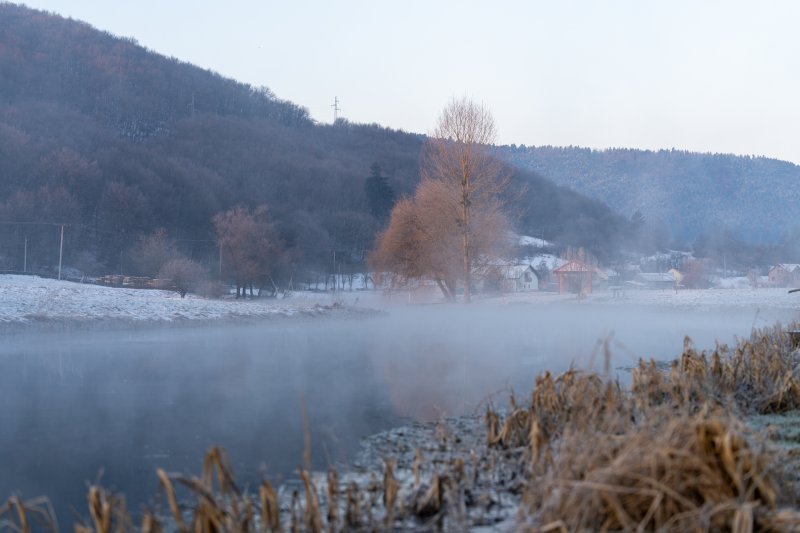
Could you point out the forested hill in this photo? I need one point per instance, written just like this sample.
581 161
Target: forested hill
691 193
118 141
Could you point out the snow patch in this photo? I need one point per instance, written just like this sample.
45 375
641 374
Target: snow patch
30 300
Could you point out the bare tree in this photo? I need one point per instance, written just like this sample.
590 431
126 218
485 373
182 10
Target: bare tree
250 246
153 251
425 237
457 157
418 243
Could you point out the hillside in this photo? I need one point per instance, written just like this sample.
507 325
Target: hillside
755 197
118 141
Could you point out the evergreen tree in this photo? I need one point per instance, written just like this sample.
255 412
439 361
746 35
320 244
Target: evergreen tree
380 195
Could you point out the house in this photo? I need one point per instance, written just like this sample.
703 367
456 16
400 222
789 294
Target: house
603 278
519 278
574 276
654 280
784 275
508 276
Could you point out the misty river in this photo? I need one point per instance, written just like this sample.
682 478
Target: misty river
118 403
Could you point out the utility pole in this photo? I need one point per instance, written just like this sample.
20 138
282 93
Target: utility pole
336 109
60 251
25 257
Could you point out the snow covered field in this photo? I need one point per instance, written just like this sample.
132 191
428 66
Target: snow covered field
32 300
698 299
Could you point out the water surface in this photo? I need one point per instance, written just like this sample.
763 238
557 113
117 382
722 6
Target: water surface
120 403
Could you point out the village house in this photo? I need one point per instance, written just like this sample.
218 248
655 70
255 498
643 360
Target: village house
784 275
604 278
575 276
654 280
509 276
519 278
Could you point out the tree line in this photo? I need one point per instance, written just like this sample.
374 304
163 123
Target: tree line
119 142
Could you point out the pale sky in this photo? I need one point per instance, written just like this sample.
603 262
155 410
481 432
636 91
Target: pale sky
710 76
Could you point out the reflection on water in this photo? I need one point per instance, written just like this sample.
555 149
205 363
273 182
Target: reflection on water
125 402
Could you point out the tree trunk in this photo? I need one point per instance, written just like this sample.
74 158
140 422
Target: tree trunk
446 290
465 229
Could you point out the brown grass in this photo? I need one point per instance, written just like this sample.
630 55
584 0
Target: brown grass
669 473
16 515
668 455
759 375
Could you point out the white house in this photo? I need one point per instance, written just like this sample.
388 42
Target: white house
519 278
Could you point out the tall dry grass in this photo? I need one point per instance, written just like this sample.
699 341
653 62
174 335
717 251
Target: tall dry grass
670 454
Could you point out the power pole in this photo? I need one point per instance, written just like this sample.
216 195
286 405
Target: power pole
60 251
336 109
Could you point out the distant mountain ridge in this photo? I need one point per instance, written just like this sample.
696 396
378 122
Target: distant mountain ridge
118 141
692 193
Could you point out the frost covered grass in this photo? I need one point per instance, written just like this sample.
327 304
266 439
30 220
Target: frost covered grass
26 300
671 453
29 300
684 298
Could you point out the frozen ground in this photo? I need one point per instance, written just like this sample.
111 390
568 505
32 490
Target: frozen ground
699 299
26 300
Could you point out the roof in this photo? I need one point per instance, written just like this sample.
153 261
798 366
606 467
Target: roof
527 240
516 271
574 266
788 267
656 277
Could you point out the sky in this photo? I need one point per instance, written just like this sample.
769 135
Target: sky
708 76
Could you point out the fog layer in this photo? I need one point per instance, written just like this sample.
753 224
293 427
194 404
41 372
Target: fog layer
125 402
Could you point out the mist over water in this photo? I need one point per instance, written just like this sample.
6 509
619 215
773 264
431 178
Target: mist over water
124 402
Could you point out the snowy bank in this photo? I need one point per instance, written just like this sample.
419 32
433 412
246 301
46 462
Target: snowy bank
29 300
747 298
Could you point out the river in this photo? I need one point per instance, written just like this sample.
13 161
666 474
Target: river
115 404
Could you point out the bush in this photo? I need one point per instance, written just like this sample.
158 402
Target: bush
182 275
211 289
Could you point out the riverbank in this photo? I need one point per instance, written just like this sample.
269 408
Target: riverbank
33 302
29 301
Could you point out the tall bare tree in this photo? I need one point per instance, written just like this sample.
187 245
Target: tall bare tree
457 156
455 223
